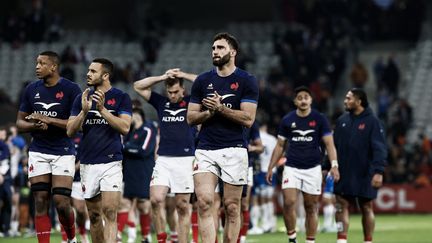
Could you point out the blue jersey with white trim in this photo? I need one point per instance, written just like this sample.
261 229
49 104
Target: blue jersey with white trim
55 102
100 142
219 132
176 136
303 135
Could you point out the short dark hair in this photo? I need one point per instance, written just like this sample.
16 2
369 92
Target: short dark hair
140 112
361 95
301 89
107 65
232 41
53 56
169 82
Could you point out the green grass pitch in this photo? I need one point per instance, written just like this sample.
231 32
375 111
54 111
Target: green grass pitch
389 229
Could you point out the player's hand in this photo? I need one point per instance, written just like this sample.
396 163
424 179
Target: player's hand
377 180
38 117
173 73
40 126
99 98
213 102
269 177
86 101
335 173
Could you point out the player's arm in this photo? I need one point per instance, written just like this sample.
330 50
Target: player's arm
176 72
195 116
120 123
61 123
75 123
332 155
245 116
143 86
276 155
256 146
24 125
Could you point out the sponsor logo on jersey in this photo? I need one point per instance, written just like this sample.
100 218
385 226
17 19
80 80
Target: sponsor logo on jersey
361 126
210 86
303 136
37 96
173 115
46 106
97 121
293 125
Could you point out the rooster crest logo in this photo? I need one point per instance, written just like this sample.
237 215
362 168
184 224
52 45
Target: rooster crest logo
59 95
234 86
111 102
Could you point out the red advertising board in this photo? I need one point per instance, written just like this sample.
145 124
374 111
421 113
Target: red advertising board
400 198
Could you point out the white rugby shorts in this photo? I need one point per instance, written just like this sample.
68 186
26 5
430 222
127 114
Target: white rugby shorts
41 164
229 164
305 180
175 173
97 178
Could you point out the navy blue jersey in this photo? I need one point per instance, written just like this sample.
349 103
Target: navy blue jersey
4 160
56 102
218 132
252 134
100 142
176 136
303 135
139 160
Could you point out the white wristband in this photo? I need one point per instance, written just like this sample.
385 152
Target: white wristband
334 163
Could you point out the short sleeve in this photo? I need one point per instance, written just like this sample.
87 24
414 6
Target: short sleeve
25 105
283 129
251 91
125 106
196 91
76 107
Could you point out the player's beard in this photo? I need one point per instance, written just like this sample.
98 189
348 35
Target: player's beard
222 60
95 83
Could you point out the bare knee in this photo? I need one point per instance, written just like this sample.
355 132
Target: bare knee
41 202
232 208
182 207
110 213
95 217
156 201
205 202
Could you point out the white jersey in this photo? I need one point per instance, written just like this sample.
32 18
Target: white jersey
269 141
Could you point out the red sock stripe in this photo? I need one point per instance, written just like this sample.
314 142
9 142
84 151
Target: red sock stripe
310 238
43 228
162 237
194 224
341 236
130 224
368 238
145 222
122 219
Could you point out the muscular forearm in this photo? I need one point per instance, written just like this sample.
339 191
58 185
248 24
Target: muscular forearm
57 122
198 117
238 116
25 126
276 155
115 122
75 124
148 82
